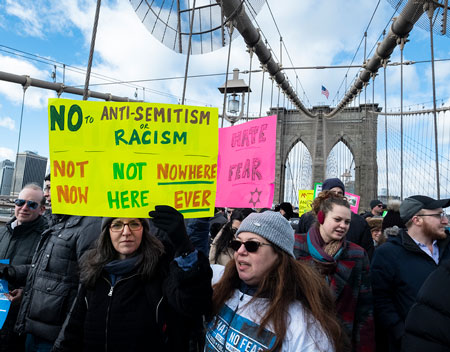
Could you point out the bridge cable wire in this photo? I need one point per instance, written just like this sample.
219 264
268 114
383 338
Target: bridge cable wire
91 51
25 87
287 52
430 12
376 42
401 27
250 50
359 46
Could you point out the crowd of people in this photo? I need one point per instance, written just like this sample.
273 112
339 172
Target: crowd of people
242 280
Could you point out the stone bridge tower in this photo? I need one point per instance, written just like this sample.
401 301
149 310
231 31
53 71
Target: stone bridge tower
356 127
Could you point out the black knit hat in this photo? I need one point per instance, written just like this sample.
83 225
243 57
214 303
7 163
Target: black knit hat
374 203
330 183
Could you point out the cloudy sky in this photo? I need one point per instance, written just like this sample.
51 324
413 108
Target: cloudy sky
314 32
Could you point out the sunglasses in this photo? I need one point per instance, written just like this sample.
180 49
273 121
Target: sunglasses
132 225
30 203
250 246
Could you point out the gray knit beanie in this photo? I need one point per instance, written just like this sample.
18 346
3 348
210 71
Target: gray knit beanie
273 227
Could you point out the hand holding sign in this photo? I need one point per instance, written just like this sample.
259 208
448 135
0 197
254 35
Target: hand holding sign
171 221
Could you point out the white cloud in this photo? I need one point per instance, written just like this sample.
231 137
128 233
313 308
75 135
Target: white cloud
38 18
34 97
6 153
32 25
7 122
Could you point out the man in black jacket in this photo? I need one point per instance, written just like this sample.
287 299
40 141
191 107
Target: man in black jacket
428 322
18 241
51 281
404 262
359 231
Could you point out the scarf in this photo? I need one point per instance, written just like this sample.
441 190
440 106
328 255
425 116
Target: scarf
117 268
325 255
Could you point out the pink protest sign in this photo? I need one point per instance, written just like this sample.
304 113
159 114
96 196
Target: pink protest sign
353 200
246 164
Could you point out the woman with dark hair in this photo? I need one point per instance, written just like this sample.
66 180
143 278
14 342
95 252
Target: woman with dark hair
343 264
220 253
265 300
132 296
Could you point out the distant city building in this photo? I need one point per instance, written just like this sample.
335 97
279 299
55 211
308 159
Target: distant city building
30 167
6 177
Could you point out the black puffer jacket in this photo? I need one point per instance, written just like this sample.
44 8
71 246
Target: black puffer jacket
19 244
427 326
51 281
139 315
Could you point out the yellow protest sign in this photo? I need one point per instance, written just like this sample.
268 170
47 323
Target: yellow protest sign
122 159
305 199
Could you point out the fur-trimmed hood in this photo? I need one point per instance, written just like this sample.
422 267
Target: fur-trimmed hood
394 205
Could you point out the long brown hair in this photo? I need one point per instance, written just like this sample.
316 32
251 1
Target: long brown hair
286 282
94 260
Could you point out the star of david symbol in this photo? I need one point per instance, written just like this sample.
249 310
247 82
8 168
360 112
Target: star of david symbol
252 197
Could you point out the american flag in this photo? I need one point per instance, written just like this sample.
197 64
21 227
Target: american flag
325 92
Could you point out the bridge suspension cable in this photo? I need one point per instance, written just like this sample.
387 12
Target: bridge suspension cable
400 28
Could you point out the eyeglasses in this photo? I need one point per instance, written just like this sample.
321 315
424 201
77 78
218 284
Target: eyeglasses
233 230
380 205
30 203
442 215
250 246
132 225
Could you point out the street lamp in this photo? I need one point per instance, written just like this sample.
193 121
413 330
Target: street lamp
235 94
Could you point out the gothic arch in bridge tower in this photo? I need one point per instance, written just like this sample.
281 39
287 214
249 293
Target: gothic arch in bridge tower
356 127
347 140
340 162
292 146
297 164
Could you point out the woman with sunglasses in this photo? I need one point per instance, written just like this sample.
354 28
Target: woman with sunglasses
133 297
344 266
220 252
265 300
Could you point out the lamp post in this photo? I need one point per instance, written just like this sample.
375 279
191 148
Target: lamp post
234 90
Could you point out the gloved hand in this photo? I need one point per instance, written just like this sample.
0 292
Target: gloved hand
171 221
7 272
